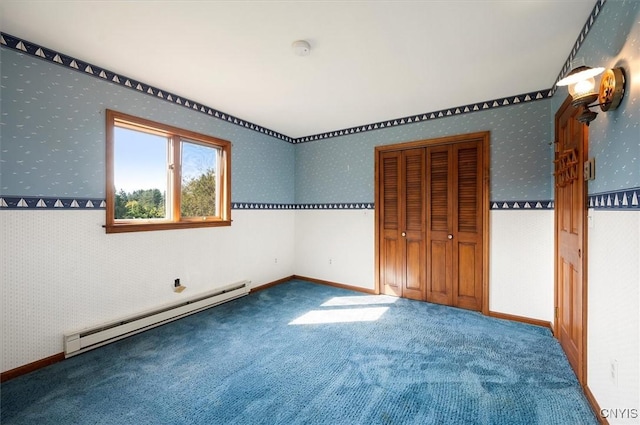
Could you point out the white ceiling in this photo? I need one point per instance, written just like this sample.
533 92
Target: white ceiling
370 60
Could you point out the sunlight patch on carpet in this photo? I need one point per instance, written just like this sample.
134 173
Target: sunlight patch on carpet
348 315
360 300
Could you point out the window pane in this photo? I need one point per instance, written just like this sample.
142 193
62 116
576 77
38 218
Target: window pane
199 175
140 174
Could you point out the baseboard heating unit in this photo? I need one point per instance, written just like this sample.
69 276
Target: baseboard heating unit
89 338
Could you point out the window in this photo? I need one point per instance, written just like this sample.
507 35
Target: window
161 177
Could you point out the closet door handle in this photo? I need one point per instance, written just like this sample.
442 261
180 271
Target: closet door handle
450 236
404 234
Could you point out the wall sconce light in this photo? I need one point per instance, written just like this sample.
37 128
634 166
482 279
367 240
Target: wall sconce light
582 84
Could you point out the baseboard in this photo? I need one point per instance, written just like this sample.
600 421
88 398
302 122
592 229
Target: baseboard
39 364
522 319
336 285
271 284
594 405
23 370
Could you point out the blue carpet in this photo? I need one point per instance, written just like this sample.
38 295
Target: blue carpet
301 353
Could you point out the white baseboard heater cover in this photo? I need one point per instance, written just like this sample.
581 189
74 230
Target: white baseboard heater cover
89 338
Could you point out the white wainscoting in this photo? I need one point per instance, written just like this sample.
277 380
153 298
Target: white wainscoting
521 258
336 246
613 327
521 280
61 272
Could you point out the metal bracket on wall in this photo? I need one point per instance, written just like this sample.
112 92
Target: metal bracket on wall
590 169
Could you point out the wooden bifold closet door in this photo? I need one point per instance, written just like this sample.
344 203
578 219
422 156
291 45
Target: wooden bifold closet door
403 223
431 221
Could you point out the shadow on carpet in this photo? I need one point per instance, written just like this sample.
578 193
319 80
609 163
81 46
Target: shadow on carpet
302 353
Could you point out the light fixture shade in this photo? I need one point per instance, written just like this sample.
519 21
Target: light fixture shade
582 87
578 74
581 83
583 92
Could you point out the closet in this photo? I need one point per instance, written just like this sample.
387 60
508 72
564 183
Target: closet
432 220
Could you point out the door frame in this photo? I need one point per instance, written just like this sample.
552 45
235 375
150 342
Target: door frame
582 373
484 138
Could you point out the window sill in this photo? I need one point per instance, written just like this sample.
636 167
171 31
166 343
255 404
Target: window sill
146 227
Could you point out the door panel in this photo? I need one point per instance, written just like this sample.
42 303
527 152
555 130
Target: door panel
439 225
438 166
413 213
391 252
390 258
454 225
466 270
467 234
576 286
469 276
468 188
402 268
566 197
415 277
439 266
390 190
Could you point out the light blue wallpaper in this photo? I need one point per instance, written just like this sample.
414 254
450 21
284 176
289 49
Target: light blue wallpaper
53 135
341 169
614 137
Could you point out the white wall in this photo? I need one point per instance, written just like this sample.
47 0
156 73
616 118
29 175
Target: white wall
336 246
521 256
61 272
521 263
613 326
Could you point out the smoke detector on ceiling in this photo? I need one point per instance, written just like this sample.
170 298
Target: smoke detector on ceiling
301 48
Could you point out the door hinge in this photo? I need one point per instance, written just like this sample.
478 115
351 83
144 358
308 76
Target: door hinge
556 312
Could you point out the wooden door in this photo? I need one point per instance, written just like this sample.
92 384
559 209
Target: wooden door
391 253
439 225
570 230
413 218
467 220
455 225
402 250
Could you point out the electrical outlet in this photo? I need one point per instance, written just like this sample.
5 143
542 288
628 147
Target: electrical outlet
275 261
613 371
176 283
330 261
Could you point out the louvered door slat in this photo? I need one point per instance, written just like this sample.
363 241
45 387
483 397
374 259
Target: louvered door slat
414 196
439 193
390 166
468 189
